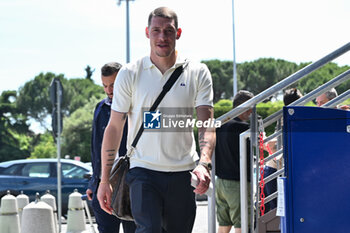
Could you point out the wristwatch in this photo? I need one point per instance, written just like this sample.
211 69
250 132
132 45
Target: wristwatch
206 165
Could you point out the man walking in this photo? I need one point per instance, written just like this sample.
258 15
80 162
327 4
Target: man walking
162 199
106 223
227 193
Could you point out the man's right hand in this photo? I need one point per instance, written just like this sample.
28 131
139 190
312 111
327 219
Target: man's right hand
104 194
89 194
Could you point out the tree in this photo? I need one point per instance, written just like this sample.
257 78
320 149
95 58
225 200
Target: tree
321 76
14 132
89 72
46 148
261 74
34 100
255 76
77 131
221 72
79 92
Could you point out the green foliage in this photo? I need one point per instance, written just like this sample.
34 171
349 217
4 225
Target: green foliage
261 74
255 76
80 91
14 132
222 73
77 131
80 96
347 102
263 109
266 109
46 148
220 110
223 103
321 76
221 107
34 100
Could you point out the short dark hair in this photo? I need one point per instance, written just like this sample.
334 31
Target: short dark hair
163 12
241 97
110 68
291 95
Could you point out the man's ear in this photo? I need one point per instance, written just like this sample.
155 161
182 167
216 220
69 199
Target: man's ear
178 33
147 32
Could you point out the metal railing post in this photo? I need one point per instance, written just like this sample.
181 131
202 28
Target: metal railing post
243 180
211 201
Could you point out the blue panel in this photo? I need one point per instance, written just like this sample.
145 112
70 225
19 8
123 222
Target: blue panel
317 152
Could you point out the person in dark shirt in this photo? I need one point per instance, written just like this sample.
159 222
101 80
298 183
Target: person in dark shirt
227 193
106 223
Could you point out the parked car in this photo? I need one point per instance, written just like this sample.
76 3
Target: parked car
38 175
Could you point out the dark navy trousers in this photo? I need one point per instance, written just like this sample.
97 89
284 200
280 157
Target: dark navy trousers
161 202
107 223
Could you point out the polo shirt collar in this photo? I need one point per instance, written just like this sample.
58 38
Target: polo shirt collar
147 63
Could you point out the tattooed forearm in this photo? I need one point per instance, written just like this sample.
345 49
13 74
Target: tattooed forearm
203 142
111 153
201 136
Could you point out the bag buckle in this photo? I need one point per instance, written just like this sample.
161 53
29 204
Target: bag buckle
130 151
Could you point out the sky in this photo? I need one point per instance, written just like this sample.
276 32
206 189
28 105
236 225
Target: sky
64 36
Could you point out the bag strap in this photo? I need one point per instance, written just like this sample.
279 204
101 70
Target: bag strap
167 86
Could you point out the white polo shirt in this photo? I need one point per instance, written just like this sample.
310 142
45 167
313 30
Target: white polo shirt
137 86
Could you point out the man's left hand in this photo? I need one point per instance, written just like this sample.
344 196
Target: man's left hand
204 179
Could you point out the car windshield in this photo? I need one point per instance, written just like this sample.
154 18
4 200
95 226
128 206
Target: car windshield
73 172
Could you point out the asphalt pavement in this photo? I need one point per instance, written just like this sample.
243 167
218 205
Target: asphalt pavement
200 224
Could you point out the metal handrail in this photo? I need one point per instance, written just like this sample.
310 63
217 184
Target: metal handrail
337 100
272 136
274 175
274 155
269 198
310 96
283 84
274 89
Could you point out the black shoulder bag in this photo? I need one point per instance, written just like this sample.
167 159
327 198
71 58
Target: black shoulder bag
120 196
